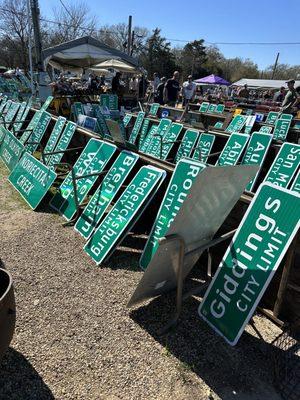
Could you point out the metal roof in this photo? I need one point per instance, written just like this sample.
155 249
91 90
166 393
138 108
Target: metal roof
263 83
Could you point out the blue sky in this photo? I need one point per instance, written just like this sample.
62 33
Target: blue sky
213 21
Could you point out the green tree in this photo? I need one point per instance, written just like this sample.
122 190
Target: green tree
193 58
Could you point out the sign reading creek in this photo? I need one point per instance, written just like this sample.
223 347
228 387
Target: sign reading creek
124 213
32 179
181 182
257 248
11 149
105 193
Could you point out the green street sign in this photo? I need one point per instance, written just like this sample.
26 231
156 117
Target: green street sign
169 140
105 193
21 115
204 147
220 108
256 250
188 143
212 108
10 149
137 126
32 124
124 213
204 107
148 139
84 185
265 129
144 131
47 103
218 125
249 111
83 161
180 184
296 183
11 113
154 145
285 165
7 105
272 117
153 109
236 124
62 144
31 179
281 129
250 120
38 132
54 136
77 109
256 152
101 121
109 100
127 118
233 149
288 117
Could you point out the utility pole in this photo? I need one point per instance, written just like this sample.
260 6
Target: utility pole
275 66
30 47
132 43
35 13
129 35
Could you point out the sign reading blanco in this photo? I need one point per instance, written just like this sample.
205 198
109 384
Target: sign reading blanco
124 213
105 193
257 248
10 150
32 179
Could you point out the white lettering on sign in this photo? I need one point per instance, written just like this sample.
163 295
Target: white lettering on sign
25 184
34 170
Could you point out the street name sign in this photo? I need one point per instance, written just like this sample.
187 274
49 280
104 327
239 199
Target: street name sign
62 144
153 109
255 253
144 131
212 108
147 140
272 117
124 213
154 145
11 149
204 107
31 179
187 144
249 123
265 129
127 118
281 129
220 108
169 139
54 136
233 149
105 193
204 147
109 100
237 124
137 126
38 132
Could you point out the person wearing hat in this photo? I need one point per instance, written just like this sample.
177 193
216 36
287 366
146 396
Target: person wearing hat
291 97
188 91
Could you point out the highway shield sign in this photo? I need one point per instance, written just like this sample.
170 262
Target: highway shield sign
281 129
11 149
187 144
31 179
256 250
285 165
180 184
233 149
62 144
256 152
204 147
137 126
105 193
124 213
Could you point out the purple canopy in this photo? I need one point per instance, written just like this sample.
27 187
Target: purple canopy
213 79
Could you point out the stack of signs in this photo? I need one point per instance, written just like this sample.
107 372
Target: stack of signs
105 193
256 152
204 147
38 132
265 129
155 142
296 183
204 107
249 123
282 126
11 149
285 165
91 162
153 109
125 213
187 144
272 117
31 179
148 139
257 248
55 134
180 184
233 149
109 100
137 126
61 145
237 124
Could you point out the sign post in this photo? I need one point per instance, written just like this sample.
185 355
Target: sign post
251 260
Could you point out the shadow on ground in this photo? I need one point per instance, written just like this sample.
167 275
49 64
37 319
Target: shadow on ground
19 380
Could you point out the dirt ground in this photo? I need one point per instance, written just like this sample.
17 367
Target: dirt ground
75 338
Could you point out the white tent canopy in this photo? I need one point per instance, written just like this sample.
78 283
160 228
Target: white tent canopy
263 83
83 53
118 65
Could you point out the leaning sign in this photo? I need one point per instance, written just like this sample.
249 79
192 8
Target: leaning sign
32 179
11 150
257 248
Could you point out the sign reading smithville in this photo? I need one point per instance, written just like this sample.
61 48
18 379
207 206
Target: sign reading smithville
31 179
285 165
257 248
233 149
105 193
180 184
204 147
124 213
11 150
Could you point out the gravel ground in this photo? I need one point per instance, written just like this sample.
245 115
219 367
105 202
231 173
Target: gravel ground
75 339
